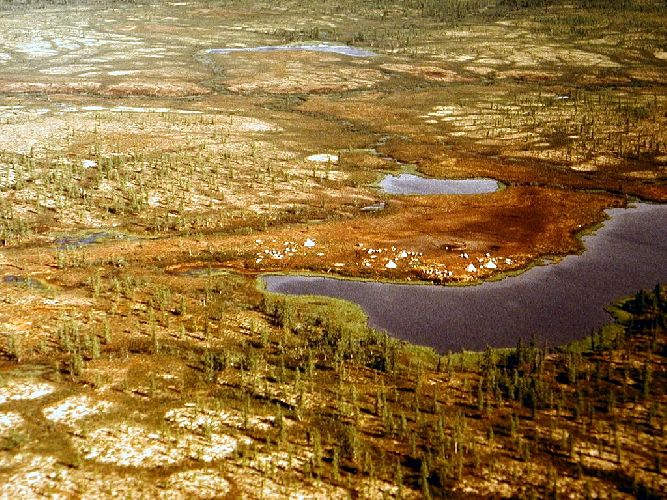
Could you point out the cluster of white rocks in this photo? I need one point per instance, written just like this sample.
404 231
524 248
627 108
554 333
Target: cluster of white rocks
486 262
389 258
276 251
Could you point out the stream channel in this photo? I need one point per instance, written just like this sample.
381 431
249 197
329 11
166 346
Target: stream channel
552 303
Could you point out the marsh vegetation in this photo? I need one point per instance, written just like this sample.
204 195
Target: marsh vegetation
145 183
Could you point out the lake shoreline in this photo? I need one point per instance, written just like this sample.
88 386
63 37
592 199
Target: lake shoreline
494 307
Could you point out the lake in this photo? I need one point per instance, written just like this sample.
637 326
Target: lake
552 304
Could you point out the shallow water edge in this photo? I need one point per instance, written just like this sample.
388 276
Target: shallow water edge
552 304
409 184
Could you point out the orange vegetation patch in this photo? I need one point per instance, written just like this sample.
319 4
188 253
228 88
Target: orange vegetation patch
509 228
495 233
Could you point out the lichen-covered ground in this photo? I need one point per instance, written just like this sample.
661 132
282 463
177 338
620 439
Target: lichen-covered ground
145 182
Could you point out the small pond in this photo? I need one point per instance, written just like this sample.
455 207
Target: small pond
406 184
344 50
552 304
69 242
24 281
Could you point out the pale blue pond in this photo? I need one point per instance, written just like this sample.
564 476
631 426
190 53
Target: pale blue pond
345 50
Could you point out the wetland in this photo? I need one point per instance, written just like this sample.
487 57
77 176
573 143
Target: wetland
157 159
550 304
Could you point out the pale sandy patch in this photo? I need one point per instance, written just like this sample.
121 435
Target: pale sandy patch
75 408
255 484
255 125
154 200
204 483
323 158
21 390
130 446
36 476
10 421
137 446
199 419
